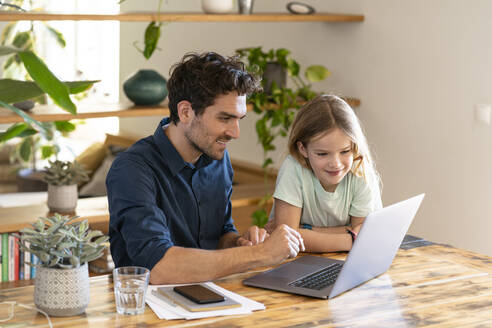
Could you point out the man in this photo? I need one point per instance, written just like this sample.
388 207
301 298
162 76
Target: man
169 194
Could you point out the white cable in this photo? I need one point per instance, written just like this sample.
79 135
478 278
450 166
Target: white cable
12 311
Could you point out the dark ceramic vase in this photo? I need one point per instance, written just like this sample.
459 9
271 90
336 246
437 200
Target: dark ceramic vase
146 87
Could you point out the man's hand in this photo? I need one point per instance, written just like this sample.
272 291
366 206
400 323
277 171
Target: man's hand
284 243
253 236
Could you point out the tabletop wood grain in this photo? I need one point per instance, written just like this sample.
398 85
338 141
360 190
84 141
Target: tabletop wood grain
431 286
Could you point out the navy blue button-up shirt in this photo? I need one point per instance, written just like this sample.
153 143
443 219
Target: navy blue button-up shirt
157 200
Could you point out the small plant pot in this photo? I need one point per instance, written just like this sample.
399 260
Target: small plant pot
274 72
62 199
62 292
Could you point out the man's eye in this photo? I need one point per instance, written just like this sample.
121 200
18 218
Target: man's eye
224 119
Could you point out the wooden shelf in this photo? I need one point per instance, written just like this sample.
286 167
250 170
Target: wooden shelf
181 17
95 209
50 113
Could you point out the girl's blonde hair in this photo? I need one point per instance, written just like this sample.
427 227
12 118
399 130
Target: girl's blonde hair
320 116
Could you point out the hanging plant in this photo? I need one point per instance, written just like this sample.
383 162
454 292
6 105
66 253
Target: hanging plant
277 107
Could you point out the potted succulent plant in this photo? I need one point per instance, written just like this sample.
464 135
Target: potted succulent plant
62 178
63 248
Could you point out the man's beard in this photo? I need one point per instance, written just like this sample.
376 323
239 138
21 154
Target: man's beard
195 138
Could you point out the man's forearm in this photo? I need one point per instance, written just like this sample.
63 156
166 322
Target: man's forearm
185 265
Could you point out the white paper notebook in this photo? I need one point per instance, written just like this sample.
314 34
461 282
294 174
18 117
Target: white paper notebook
166 309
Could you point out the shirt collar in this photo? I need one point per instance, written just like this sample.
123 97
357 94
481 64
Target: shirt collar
173 158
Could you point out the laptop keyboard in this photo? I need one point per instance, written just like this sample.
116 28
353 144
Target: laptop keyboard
319 279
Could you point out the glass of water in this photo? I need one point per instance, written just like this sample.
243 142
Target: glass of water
130 285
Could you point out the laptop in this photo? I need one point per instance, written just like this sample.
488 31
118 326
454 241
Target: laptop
371 255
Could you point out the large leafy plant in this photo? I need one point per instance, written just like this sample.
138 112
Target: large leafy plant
37 81
60 243
277 108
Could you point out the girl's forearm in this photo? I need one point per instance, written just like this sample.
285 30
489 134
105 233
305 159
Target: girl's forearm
331 230
321 242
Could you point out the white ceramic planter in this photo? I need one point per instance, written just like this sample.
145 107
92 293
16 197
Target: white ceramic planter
217 6
62 292
62 199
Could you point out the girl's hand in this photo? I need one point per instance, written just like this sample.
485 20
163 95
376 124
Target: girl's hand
253 236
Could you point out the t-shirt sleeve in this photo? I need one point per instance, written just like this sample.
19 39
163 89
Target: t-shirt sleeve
289 186
134 213
363 201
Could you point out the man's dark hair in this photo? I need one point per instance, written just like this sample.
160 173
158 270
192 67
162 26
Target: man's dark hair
201 78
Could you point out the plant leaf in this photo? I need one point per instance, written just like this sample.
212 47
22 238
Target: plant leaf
57 35
47 151
29 120
15 90
13 131
152 35
64 126
22 40
316 73
27 132
79 86
260 218
6 32
47 81
25 150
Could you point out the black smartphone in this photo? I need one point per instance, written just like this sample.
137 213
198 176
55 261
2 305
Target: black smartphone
199 294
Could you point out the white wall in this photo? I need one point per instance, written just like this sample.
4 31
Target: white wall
418 67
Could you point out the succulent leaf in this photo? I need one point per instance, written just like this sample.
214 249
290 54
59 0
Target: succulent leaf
60 243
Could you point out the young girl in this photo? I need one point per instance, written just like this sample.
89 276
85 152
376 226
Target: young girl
328 184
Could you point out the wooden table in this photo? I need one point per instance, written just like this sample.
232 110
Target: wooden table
431 286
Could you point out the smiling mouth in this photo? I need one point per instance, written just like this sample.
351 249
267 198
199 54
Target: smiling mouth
222 142
334 173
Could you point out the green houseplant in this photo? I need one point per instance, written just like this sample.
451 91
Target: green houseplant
63 248
63 178
28 78
277 106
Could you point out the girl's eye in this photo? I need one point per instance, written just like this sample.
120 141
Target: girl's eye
321 154
346 151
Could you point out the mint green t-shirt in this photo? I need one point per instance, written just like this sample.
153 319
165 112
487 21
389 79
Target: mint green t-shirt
299 187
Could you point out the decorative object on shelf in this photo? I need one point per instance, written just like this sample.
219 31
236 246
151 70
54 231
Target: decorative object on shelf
62 178
245 6
146 87
217 6
25 105
299 8
279 105
274 75
63 248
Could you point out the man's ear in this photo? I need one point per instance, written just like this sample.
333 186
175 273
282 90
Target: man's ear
185 111
302 149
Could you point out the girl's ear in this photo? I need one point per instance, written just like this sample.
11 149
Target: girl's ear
302 149
185 111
